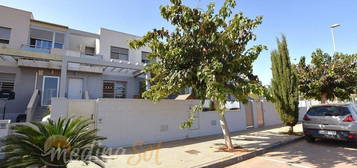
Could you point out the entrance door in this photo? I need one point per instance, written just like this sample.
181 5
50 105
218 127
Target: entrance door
249 114
49 89
75 88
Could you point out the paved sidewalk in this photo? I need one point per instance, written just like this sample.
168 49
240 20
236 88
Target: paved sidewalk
199 152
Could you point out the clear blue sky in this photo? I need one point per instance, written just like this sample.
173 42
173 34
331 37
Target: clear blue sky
304 22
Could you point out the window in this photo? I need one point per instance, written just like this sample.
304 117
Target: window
59 40
328 111
114 89
41 38
7 86
37 43
144 57
5 35
119 53
89 51
7 81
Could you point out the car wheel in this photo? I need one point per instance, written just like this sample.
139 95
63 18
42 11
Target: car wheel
309 139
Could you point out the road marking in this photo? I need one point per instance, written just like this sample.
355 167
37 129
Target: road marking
284 162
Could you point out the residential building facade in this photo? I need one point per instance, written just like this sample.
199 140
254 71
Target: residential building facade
41 60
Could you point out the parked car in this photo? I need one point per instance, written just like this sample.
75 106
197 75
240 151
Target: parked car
331 121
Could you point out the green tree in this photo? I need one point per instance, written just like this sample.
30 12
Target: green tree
284 85
206 51
51 144
328 77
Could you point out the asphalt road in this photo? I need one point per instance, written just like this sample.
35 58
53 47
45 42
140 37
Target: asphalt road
323 153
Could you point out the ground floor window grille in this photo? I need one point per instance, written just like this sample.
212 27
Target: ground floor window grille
7 85
114 89
7 81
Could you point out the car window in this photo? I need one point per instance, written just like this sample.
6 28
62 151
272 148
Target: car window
354 107
328 111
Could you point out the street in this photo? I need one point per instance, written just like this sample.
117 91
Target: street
323 153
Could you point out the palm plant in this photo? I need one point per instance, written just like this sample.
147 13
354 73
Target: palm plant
52 144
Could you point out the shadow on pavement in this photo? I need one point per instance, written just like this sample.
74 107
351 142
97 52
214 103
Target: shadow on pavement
322 153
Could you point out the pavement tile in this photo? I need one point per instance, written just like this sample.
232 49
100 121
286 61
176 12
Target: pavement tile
196 152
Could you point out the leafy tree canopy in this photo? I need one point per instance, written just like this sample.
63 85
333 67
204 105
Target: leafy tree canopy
206 51
328 77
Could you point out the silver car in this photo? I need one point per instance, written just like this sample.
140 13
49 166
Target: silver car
332 121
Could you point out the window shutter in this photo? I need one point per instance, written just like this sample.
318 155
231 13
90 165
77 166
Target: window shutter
59 38
123 51
6 77
5 33
41 34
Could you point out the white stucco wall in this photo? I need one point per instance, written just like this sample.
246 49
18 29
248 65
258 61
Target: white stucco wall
118 39
59 108
76 41
271 117
4 128
19 22
126 121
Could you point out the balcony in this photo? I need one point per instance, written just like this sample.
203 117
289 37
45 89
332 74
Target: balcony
59 52
33 48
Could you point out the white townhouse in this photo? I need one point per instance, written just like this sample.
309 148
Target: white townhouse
41 60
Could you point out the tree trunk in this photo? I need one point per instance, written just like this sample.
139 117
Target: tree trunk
226 134
323 98
291 130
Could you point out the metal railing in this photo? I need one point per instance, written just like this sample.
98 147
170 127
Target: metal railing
64 52
34 48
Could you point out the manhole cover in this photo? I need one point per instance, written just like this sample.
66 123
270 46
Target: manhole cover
193 152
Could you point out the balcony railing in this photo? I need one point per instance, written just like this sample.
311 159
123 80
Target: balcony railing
35 48
57 51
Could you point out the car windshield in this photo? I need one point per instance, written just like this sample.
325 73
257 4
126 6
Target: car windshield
328 111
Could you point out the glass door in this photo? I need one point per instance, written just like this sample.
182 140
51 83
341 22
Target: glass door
49 89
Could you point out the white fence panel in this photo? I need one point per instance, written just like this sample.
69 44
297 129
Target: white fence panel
4 128
271 117
126 121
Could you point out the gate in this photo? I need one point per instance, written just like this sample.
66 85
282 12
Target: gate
249 114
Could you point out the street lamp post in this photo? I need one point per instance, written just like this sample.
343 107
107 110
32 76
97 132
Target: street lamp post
333 36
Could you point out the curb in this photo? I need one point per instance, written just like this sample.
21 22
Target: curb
236 159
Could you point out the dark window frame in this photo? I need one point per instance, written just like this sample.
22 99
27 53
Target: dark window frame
118 54
113 91
6 41
144 59
86 49
34 45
